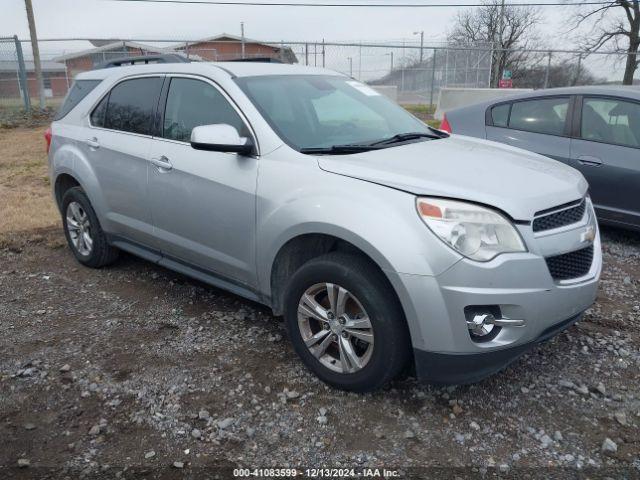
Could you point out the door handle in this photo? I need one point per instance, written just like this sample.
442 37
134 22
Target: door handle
162 163
589 160
92 143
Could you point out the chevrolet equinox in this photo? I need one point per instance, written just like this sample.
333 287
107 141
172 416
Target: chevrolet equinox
384 243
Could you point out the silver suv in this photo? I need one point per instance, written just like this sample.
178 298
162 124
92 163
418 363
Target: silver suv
384 243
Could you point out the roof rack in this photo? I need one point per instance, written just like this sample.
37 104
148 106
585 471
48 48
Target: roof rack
144 59
257 59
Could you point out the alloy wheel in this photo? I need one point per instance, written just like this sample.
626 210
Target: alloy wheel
79 228
335 327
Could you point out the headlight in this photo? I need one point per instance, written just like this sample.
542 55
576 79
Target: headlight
476 232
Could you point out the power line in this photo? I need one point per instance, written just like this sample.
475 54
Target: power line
364 5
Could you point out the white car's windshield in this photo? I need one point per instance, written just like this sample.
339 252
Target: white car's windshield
318 112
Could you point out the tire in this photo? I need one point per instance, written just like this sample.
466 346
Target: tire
365 287
76 206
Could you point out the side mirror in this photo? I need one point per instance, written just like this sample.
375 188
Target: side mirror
220 138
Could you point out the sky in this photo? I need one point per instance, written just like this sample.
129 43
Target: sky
105 18
111 19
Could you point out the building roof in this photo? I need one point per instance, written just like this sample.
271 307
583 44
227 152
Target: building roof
287 51
220 37
46 65
111 46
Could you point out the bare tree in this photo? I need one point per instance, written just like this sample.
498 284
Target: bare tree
561 74
501 28
616 22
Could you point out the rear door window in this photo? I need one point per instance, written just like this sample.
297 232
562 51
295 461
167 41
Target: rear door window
79 90
132 105
611 121
543 115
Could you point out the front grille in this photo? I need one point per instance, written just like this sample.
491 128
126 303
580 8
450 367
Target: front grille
553 220
571 265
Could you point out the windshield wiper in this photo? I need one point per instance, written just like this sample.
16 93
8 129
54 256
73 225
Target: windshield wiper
339 149
375 145
403 137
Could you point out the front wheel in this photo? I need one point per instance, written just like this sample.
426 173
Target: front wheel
346 323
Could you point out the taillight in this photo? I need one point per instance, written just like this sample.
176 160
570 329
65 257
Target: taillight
47 137
445 124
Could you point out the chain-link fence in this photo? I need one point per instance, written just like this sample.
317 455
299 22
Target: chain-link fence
13 77
414 73
18 85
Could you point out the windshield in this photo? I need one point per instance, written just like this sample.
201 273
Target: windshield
317 111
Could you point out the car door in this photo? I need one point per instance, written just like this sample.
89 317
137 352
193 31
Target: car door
606 149
203 202
118 146
539 125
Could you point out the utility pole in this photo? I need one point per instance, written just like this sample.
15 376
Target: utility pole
242 37
36 52
421 44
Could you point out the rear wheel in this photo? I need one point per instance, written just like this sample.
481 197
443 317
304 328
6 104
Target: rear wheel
346 323
83 232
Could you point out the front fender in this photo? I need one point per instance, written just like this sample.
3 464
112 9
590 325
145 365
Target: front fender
380 221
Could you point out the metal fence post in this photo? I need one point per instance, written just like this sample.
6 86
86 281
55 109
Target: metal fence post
546 74
306 54
22 75
433 75
446 67
577 79
323 53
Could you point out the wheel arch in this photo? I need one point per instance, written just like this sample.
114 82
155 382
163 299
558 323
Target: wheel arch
63 183
303 247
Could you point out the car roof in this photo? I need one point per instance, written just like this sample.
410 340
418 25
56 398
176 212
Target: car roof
233 69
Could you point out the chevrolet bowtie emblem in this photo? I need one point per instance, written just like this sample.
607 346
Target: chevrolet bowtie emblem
589 234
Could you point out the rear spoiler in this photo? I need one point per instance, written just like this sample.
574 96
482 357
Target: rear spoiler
144 60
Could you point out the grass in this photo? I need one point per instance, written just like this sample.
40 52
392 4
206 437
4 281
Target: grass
424 113
18 103
420 109
25 193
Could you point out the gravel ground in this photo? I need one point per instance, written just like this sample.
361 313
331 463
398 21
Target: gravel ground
135 370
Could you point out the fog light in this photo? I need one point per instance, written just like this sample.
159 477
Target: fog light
485 322
481 325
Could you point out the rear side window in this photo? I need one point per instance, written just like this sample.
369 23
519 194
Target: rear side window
500 115
132 105
191 103
611 121
546 115
79 90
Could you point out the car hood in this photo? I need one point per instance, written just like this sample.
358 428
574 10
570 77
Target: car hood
515 181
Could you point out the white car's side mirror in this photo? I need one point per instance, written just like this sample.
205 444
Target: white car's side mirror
220 138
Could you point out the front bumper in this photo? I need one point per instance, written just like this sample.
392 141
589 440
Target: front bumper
455 369
519 284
